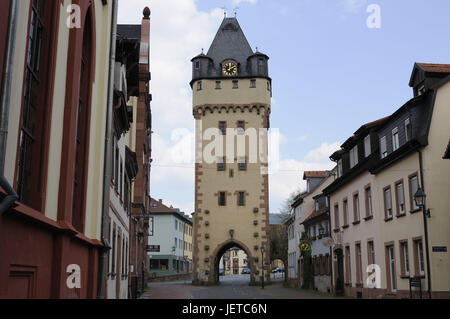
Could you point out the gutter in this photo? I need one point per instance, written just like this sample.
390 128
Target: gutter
11 195
107 166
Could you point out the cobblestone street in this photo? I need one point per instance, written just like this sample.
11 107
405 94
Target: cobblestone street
231 287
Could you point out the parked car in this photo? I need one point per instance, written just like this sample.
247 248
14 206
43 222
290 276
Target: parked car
221 272
245 271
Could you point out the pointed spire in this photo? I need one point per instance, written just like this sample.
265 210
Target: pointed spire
230 43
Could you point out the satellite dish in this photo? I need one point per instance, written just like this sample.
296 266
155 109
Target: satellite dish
328 242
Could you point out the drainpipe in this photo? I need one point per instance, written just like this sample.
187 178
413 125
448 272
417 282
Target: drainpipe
107 166
425 226
11 195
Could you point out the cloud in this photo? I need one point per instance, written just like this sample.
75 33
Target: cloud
178 33
237 2
323 153
289 178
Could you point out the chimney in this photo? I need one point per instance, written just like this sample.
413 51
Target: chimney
160 201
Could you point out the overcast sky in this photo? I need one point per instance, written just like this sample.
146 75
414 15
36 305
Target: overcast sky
331 74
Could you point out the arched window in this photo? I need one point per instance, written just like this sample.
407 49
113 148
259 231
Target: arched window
81 153
37 97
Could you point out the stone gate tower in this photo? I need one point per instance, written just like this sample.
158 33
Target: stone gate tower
232 97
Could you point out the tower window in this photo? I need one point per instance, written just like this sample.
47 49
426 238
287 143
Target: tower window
242 163
223 127
235 84
240 127
221 164
222 199
218 85
252 84
197 65
241 199
199 86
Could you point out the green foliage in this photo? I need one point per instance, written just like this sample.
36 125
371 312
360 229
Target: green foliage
285 210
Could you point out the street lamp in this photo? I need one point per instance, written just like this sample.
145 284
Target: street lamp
262 264
419 199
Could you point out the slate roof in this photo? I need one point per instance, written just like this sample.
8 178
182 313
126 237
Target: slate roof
130 31
230 43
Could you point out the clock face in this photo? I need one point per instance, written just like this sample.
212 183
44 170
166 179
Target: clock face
229 68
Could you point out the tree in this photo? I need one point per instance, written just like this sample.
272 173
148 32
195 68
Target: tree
285 210
279 245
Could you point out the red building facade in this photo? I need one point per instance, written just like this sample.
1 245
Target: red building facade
54 224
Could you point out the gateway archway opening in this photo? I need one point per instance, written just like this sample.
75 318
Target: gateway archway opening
232 265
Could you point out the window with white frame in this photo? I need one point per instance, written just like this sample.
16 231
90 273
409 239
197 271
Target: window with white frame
339 170
367 147
388 203
383 147
408 130
421 263
405 257
395 140
413 187
354 156
400 199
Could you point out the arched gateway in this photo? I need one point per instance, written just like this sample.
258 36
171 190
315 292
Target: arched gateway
231 105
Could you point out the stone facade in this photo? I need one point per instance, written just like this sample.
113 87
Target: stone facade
243 100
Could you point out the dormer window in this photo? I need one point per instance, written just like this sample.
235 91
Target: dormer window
395 140
197 65
339 168
367 148
354 156
421 90
408 130
383 147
